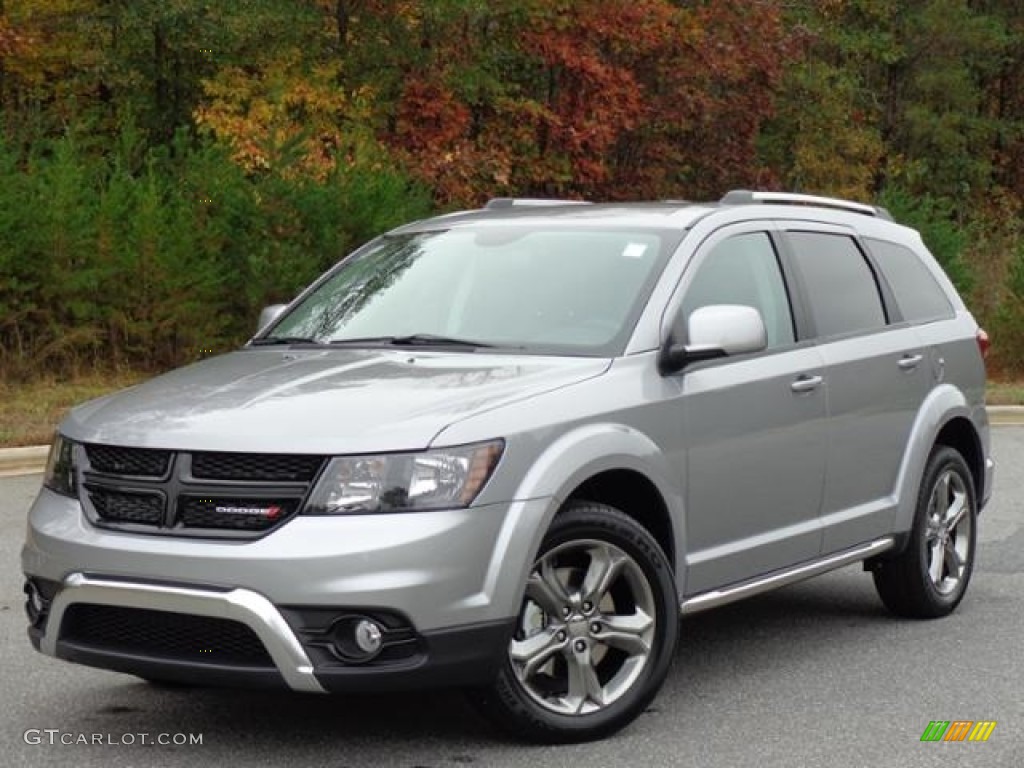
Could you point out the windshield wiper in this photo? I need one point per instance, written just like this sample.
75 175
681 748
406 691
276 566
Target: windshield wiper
413 340
267 341
430 339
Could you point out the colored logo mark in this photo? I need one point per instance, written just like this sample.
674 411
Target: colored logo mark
958 730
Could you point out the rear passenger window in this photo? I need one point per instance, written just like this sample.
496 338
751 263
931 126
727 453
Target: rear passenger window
918 294
841 287
744 270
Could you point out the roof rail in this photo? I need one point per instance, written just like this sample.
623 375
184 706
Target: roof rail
746 197
516 202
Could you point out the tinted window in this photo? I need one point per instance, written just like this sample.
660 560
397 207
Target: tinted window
744 270
840 285
918 294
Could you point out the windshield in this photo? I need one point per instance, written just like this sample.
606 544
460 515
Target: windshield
558 291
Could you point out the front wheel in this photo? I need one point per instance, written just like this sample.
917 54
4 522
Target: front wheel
930 577
596 632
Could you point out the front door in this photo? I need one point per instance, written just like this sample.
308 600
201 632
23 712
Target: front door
755 426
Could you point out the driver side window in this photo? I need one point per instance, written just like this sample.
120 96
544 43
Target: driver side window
744 270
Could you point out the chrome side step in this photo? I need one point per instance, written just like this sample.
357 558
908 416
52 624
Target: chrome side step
717 597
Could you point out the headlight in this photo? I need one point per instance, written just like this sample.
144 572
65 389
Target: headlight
393 482
60 467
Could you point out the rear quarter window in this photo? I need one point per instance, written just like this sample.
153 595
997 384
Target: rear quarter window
918 294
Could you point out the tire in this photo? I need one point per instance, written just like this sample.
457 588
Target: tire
929 578
596 633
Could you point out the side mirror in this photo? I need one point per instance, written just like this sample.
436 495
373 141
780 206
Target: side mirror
269 315
714 331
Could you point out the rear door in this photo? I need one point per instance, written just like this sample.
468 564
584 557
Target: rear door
876 378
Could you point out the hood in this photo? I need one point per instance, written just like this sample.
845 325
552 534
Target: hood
318 401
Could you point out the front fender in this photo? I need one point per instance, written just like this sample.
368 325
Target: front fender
563 466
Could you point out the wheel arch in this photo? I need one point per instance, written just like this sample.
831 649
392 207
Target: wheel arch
633 494
945 418
959 433
604 463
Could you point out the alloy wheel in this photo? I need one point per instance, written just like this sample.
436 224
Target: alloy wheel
586 629
949 531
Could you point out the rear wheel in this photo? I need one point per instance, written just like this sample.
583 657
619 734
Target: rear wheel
930 577
596 632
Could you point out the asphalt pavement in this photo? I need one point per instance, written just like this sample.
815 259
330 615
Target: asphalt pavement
816 674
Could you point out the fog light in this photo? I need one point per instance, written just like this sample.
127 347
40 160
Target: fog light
356 639
35 605
368 636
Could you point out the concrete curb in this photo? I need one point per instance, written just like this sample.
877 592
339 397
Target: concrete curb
1002 415
32 460
23 461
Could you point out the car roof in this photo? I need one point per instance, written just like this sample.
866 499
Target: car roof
665 214
651 215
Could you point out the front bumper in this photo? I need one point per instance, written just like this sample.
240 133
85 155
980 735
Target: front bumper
459 656
451 579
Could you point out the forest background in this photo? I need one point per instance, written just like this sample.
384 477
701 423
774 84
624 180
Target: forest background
169 167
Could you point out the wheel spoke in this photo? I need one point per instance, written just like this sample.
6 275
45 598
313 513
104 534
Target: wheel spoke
935 562
546 589
956 511
952 560
604 568
583 683
535 651
627 633
940 498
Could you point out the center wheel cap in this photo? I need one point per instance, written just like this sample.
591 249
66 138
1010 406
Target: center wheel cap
579 628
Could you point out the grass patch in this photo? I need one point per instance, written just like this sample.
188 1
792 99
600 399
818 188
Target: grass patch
1005 393
29 412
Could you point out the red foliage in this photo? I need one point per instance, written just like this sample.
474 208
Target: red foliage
609 99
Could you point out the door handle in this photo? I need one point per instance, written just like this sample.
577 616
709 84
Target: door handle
806 383
909 362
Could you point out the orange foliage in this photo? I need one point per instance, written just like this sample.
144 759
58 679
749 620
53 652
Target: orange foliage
608 99
11 40
285 119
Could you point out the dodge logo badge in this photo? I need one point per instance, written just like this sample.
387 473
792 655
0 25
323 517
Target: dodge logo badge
268 512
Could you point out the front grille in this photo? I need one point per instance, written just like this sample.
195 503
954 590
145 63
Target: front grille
201 494
262 467
137 462
237 514
163 635
125 507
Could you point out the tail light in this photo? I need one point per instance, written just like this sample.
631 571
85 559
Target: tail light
983 342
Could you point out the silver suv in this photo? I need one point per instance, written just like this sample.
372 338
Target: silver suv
507 449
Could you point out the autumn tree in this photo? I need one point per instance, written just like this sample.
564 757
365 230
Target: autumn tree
608 99
262 138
